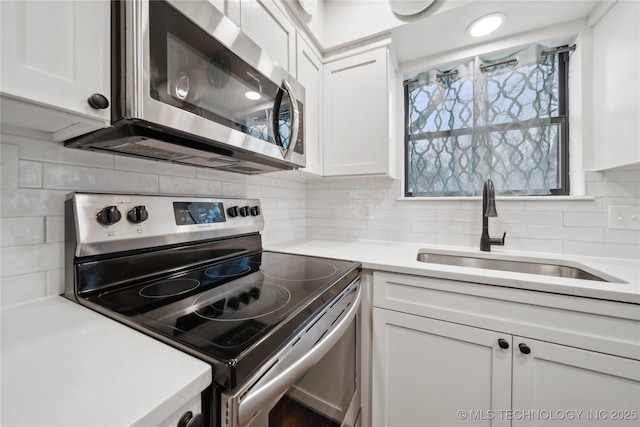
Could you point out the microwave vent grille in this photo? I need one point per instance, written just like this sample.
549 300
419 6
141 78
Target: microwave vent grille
244 169
143 150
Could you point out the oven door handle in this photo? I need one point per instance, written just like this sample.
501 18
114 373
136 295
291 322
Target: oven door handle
263 394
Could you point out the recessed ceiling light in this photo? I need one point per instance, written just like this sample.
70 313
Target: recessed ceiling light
252 95
486 25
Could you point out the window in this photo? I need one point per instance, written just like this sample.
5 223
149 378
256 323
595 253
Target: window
505 120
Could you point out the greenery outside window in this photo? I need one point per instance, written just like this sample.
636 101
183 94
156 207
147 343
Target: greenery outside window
505 120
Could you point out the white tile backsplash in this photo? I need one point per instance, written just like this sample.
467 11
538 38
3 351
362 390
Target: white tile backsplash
30 174
577 226
27 259
8 166
21 231
37 176
83 178
25 287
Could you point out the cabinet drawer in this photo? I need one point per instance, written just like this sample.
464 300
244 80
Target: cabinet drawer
603 326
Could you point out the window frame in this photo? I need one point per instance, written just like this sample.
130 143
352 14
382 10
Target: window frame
561 120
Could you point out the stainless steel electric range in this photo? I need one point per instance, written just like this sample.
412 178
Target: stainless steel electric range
280 331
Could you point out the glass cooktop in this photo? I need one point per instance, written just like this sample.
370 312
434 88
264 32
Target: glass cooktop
235 313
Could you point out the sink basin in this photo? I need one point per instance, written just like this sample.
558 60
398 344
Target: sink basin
541 267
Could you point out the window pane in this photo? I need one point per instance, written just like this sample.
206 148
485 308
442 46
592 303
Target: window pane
504 124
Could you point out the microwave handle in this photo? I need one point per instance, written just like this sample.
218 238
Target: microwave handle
272 389
295 120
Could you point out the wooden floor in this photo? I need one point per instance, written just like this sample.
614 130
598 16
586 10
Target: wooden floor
289 413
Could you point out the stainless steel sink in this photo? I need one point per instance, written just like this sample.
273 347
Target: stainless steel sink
517 266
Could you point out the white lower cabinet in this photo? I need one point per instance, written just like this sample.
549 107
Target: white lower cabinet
433 372
571 386
425 371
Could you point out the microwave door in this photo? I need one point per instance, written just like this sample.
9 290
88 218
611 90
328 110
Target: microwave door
199 85
216 87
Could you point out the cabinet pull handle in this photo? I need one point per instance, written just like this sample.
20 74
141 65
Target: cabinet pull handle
98 101
502 343
189 420
295 120
524 349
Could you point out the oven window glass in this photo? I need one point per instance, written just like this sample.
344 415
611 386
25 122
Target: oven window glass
192 71
322 398
188 213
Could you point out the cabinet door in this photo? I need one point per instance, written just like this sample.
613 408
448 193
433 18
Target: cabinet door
55 54
432 373
310 76
231 8
356 114
555 384
616 95
269 27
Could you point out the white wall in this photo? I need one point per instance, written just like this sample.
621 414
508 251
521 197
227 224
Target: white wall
338 208
37 175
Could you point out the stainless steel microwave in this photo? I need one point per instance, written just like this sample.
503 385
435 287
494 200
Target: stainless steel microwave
189 87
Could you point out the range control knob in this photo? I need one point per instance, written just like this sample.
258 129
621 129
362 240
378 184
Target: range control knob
109 215
255 210
138 214
245 297
233 303
233 211
244 211
255 292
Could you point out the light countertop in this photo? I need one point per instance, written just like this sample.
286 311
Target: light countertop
65 365
400 257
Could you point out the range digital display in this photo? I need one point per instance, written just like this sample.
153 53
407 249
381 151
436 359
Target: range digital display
188 213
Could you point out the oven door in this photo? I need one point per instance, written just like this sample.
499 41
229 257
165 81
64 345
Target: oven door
313 381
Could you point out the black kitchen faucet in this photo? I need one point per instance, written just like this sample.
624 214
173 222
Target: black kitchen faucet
489 210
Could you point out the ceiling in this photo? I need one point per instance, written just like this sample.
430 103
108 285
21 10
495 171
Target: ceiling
448 30
442 27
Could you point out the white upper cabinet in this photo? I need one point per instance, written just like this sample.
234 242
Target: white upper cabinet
358 125
309 69
55 55
231 8
269 27
617 87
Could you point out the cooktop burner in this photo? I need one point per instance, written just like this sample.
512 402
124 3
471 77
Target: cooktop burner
227 270
241 301
169 288
291 270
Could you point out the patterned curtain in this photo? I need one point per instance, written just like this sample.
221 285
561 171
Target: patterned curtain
490 122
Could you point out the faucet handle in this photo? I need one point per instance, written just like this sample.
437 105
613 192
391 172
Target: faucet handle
497 241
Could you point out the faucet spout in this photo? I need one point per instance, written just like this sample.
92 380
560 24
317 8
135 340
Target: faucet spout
489 210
